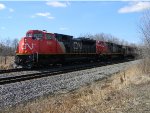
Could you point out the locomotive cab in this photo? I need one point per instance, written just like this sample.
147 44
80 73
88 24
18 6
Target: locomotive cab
36 42
35 35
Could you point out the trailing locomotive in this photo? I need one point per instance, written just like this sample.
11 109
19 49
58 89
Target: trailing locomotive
40 48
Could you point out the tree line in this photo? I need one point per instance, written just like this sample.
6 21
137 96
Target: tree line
7 49
108 38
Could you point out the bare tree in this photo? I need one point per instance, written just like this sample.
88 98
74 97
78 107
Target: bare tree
145 36
14 45
7 48
105 37
100 36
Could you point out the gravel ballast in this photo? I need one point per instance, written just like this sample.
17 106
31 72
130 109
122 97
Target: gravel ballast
12 94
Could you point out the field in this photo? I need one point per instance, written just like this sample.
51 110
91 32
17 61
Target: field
124 92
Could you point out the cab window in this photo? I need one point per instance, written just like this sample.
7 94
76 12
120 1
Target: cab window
37 36
48 36
29 35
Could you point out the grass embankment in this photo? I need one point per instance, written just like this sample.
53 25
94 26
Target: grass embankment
119 93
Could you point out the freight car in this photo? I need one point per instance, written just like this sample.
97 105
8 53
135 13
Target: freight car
43 48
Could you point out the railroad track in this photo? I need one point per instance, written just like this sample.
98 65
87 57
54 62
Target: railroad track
12 70
19 70
55 71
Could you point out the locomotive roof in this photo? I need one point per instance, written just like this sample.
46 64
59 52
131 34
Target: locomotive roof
85 39
63 34
34 31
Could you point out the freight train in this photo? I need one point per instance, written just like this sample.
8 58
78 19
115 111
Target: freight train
44 48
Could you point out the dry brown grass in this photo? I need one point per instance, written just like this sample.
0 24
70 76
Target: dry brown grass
6 63
100 97
145 65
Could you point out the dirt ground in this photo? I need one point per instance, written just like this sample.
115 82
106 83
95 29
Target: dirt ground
124 92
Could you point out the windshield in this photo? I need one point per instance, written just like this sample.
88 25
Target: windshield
48 36
37 36
29 35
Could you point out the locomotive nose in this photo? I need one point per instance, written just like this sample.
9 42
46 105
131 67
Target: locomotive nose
21 46
25 46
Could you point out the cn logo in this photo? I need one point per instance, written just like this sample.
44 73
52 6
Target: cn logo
77 45
27 45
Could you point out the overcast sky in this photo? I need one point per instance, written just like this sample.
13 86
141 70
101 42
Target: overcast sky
120 18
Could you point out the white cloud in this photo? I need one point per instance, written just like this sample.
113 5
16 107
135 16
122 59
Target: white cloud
135 7
63 28
46 14
2 6
11 10
42 14
58 4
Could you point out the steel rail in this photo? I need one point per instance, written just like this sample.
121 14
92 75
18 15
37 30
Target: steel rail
12 70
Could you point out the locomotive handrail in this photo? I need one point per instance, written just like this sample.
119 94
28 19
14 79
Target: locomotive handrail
37 56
